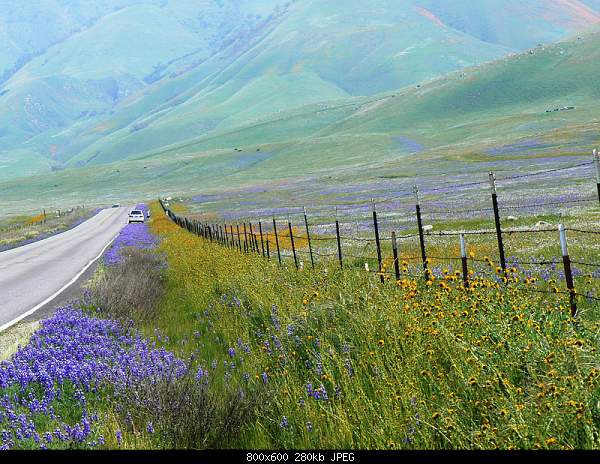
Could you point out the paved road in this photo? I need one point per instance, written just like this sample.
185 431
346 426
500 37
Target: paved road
33 275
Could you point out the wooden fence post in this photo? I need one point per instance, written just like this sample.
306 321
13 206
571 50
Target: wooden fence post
239 238
396 258
312 260
498 223
377 242
421 233
568 270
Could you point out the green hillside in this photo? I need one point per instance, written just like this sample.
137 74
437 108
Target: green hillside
476 116
110 81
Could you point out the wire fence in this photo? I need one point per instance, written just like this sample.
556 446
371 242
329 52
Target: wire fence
40 219
395 251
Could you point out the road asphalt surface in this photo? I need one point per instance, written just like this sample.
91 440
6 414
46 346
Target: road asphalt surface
34 275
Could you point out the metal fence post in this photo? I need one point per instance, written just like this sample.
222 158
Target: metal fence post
421 233
597 163
276 239
252 239
312 260
465 264
239 237
339 240
378 243
497 220
292 240
568 270
268 248
262 242
396 259
245 239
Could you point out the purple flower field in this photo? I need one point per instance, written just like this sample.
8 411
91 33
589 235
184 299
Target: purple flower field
46 389
132 235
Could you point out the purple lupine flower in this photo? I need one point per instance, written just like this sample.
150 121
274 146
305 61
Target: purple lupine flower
150 427
231 353
265 377
284 423
119 437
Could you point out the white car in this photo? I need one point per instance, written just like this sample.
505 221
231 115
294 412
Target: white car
136 216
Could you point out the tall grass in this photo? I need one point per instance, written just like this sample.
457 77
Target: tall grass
353 363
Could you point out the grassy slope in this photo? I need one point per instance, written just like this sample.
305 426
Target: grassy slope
296 56
302 60
456 118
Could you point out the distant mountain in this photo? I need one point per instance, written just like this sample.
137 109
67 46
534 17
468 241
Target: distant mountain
105 80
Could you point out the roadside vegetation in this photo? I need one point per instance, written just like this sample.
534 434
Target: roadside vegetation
232 350
17 231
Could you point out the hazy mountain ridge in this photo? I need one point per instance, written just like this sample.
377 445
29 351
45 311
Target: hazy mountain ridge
118 78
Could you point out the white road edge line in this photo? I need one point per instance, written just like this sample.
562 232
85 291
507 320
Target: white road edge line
49 299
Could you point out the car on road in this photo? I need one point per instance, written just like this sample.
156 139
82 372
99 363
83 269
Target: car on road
136 216
116 205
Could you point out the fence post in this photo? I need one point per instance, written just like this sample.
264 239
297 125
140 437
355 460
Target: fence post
276 239
378 243
312 260
497 220
396 259
465 264
292 240
421 233
251 239
45 210
223 236
597 163
245 239
262 242
268 248
568 270
239 237
339 241
256 244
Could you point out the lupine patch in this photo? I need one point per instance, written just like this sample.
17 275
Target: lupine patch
47 387
132 235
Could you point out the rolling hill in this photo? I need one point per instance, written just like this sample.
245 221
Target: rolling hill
102 81
503 110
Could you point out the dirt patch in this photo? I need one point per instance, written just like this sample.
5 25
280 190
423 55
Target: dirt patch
16 336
